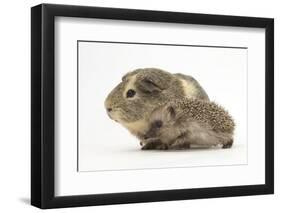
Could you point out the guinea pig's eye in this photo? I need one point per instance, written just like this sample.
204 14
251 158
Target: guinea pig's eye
158 124
130 93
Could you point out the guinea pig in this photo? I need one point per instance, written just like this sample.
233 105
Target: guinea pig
132 100
181 123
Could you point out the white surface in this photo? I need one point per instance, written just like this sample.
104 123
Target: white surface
221 71
15 108
68 181
132 158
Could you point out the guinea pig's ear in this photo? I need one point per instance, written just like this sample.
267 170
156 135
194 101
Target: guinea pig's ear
148 86
151 82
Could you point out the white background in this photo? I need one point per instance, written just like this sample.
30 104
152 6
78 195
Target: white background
221 71
15 108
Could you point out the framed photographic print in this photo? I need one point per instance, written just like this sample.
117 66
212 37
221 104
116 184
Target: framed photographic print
139 106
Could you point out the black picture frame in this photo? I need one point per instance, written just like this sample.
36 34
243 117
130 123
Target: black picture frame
43 113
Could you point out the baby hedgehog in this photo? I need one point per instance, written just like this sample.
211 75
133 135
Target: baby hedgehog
184 122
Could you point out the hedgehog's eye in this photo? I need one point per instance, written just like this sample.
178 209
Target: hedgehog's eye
130 93
158 124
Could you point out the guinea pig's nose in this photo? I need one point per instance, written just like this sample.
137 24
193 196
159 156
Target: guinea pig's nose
109 109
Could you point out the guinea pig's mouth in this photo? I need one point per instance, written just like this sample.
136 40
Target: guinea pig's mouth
111 117
114 115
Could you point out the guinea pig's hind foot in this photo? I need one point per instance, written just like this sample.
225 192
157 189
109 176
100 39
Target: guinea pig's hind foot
228 144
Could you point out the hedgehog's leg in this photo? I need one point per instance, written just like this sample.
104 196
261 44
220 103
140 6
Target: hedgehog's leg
180 143
153 143
228 144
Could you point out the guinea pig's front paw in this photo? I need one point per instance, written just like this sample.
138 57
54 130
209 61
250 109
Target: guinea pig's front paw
148 146
148 140
153 143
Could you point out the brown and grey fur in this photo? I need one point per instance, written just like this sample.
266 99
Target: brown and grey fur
184 122
153 87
